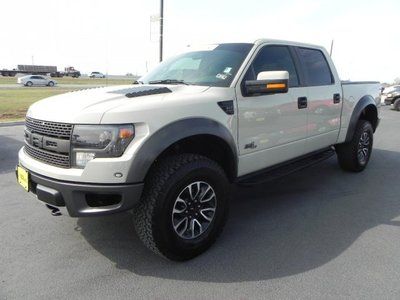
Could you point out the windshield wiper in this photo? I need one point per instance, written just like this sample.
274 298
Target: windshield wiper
169 81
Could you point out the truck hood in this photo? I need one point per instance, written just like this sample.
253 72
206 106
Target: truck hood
89 105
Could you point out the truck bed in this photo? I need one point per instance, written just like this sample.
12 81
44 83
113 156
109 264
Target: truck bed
353 91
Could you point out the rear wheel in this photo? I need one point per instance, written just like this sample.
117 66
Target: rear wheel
184 206
354 155
396 104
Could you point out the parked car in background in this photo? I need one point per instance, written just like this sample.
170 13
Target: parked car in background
391 95
36 80
97 75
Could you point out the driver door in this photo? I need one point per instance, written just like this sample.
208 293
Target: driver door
273 127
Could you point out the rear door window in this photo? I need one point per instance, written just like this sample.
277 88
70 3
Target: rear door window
316 67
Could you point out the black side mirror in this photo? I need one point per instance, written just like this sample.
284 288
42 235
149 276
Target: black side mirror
271 82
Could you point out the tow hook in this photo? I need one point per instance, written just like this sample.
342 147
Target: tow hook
54 210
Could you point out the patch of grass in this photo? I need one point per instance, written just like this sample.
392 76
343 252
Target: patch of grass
15 102
8 80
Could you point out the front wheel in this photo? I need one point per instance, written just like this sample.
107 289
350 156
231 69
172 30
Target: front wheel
184 206
29 83
51 83
354 155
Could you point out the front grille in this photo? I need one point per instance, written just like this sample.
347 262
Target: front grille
51 144
48 142
55 159
57 130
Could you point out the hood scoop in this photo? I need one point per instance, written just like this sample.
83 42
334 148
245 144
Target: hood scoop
143 91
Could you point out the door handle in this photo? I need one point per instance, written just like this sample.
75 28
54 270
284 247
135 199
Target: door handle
302 102
336 98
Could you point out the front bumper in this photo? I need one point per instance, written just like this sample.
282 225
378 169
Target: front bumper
84 199
389 101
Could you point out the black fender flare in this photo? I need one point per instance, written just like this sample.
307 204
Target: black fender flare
172 133
355 116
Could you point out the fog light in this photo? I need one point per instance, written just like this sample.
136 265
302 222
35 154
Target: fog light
82 158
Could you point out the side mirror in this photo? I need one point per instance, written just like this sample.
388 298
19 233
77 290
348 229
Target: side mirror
269 82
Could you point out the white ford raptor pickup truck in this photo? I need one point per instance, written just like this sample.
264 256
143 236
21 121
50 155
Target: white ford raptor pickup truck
169 147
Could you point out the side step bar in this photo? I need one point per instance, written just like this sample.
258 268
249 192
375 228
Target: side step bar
285 168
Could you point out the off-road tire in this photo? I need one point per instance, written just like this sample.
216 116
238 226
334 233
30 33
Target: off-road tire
396 105
152 216
347 153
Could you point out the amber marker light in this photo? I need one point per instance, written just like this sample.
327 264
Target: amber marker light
276 86
126 133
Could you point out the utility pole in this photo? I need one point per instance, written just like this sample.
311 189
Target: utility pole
161 28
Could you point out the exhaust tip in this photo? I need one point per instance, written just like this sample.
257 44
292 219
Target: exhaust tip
54 210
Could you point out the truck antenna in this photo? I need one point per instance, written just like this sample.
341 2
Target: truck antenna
161 28
330 54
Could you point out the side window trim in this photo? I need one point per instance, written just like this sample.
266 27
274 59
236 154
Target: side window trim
299 67
255 55
303 66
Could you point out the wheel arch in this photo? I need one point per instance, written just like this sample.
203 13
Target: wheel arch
365 109
192 135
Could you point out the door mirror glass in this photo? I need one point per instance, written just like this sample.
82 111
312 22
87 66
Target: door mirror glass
268 82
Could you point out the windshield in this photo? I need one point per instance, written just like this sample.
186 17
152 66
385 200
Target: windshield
215 67
391 89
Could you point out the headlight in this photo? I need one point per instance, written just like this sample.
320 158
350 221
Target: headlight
389 95
91 141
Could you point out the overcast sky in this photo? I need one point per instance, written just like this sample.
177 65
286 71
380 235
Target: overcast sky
114 36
